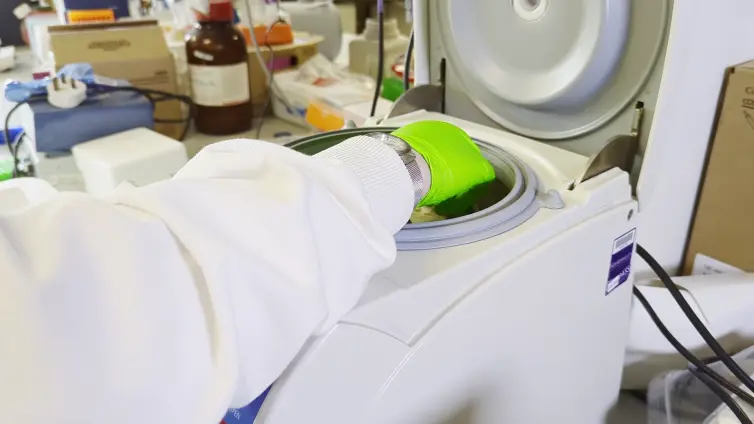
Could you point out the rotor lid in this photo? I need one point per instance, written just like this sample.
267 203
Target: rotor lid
552 69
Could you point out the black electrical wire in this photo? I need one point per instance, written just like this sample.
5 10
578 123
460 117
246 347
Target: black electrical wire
8 141
154 97
698 368
380 58
407 63
13 145
697 363
725 397
718 350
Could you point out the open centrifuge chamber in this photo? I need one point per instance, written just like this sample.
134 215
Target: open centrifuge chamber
496 207
572 73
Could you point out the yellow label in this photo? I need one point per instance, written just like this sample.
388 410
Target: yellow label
85 16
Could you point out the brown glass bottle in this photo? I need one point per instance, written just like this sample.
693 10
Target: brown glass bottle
218 66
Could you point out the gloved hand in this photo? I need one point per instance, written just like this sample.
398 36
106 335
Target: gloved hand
456 164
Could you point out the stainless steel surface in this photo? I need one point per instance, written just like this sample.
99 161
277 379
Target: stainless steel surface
619 152
409 158
423 97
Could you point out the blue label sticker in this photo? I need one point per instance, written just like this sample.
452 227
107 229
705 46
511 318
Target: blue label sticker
620 261
247 414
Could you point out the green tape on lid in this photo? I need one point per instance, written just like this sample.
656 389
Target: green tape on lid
455 161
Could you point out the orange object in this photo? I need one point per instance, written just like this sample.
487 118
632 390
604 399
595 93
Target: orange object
246 33
279 33
88 16
323 117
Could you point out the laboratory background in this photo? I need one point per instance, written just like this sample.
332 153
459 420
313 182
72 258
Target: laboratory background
601 274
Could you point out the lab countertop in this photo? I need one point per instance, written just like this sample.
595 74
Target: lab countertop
62 173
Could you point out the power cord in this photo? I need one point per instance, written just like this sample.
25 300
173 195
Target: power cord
721 354
696 364
711 379
407 63
15 144
725 397
154 97
380 55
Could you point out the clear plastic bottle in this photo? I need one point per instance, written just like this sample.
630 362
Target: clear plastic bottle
364 49
218 66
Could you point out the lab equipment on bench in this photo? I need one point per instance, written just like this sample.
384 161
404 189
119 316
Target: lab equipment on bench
579 93
363 50
54 129
218 65
439 334
76 106
319 17
481 313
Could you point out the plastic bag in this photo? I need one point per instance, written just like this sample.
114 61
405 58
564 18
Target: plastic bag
18 91
678 397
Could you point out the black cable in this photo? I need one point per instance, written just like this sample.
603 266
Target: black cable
12 144
725 397
154 97
407 63
699 365
721 354
380 59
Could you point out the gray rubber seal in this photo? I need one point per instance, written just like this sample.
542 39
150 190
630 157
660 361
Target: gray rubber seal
515 208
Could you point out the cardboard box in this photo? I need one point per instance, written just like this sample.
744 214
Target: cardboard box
284 57
723 226
135 51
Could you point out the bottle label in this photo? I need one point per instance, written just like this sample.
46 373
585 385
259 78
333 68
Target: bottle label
226 85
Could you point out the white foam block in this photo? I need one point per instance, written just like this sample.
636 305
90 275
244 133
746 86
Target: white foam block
7 58
139 156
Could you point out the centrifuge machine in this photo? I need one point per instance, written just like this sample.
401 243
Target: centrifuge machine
518 312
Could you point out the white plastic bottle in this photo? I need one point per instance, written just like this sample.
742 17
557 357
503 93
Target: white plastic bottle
363 52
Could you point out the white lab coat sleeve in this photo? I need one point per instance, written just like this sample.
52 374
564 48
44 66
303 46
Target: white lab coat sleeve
172 302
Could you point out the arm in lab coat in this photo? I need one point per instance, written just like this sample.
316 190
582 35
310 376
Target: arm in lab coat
172 302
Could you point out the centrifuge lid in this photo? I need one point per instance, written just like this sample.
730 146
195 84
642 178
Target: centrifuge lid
552 69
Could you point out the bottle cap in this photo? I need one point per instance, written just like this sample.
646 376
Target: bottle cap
219 11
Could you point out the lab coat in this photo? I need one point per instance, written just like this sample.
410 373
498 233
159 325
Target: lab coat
173 302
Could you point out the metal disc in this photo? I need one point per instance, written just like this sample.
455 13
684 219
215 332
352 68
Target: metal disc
552 69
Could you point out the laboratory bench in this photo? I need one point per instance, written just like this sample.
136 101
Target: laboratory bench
61 171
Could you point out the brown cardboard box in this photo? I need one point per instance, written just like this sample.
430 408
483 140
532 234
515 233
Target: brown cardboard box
135 51
723 227
285 56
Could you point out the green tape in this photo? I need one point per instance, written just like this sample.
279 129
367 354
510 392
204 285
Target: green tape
455 161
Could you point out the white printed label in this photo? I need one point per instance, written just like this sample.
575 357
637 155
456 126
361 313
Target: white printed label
219 85
704 265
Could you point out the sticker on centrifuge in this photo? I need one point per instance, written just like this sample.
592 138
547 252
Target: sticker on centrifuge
620 261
